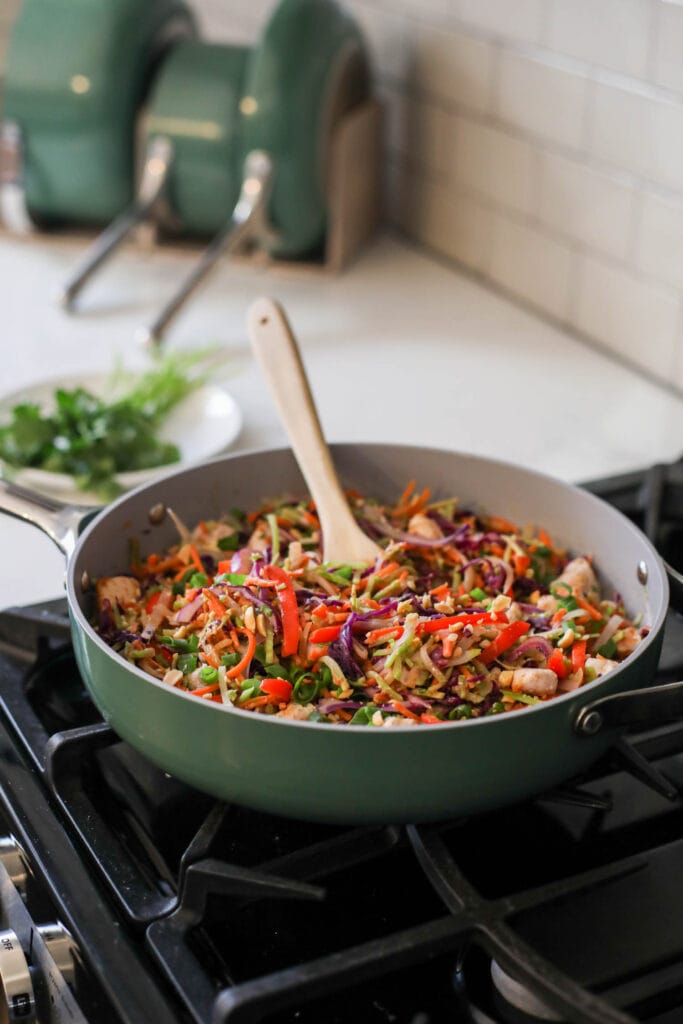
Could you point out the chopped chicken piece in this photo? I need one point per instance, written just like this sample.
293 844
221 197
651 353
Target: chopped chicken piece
579 575
601 665
299 712
121 590
628 641
421 525
539 682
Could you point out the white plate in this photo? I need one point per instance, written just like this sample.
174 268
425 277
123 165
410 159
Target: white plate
202 425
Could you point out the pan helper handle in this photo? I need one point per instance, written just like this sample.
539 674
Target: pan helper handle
650 706
14 212
150 195
247 223
62 523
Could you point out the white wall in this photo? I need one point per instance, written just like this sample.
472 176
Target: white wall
539 143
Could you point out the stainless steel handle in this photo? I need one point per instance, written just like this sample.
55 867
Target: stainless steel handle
651 705
59 521
152 186
14 212
248 221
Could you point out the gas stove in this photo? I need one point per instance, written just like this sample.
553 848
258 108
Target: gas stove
126 896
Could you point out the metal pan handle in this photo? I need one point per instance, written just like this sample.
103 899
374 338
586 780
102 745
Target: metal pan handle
652 705
152 186
248 221
62 523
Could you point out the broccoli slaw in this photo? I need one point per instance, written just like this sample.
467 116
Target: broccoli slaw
463 615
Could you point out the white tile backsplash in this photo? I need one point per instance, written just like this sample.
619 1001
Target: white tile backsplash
416 130
537 143
586 204
660 242
541 98
642 133
533 265
631 317
508 19
668 65
609 33
491 162
453 67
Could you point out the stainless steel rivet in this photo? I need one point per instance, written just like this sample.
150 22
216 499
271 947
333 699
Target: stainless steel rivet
85 580
642 573
591 723
157 514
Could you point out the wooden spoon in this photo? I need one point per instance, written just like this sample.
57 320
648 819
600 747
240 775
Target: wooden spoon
275 348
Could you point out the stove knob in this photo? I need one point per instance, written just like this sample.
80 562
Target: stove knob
61 947
17 1002
13 860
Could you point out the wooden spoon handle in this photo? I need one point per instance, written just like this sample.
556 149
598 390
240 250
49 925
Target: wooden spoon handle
277 352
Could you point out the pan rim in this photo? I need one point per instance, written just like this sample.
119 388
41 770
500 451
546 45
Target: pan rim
566 700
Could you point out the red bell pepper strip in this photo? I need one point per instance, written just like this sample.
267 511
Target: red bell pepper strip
434 625
152 601
385 632
557 663
288 606
277 687
578 655
324 634
505 639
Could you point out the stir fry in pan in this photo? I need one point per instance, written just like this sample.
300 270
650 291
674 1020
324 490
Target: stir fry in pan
463 615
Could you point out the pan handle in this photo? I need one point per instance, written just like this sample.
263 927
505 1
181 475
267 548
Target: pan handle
62 523
150 195
247 223
652 705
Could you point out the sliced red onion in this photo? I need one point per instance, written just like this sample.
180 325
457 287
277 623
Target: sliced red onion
410 538
535 644
251 596
188 611
241 561
329 705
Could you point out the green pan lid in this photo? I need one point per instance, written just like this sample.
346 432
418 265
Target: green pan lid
310 68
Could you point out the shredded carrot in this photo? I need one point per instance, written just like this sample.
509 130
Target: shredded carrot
405 712
205 689
403 500
246 657
501 525
194 554
256 702
594 613
216 605
545 538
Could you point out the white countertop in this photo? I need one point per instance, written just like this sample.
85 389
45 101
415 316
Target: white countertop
399 348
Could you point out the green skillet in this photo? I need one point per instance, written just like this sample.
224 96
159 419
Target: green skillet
358 773
77 73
